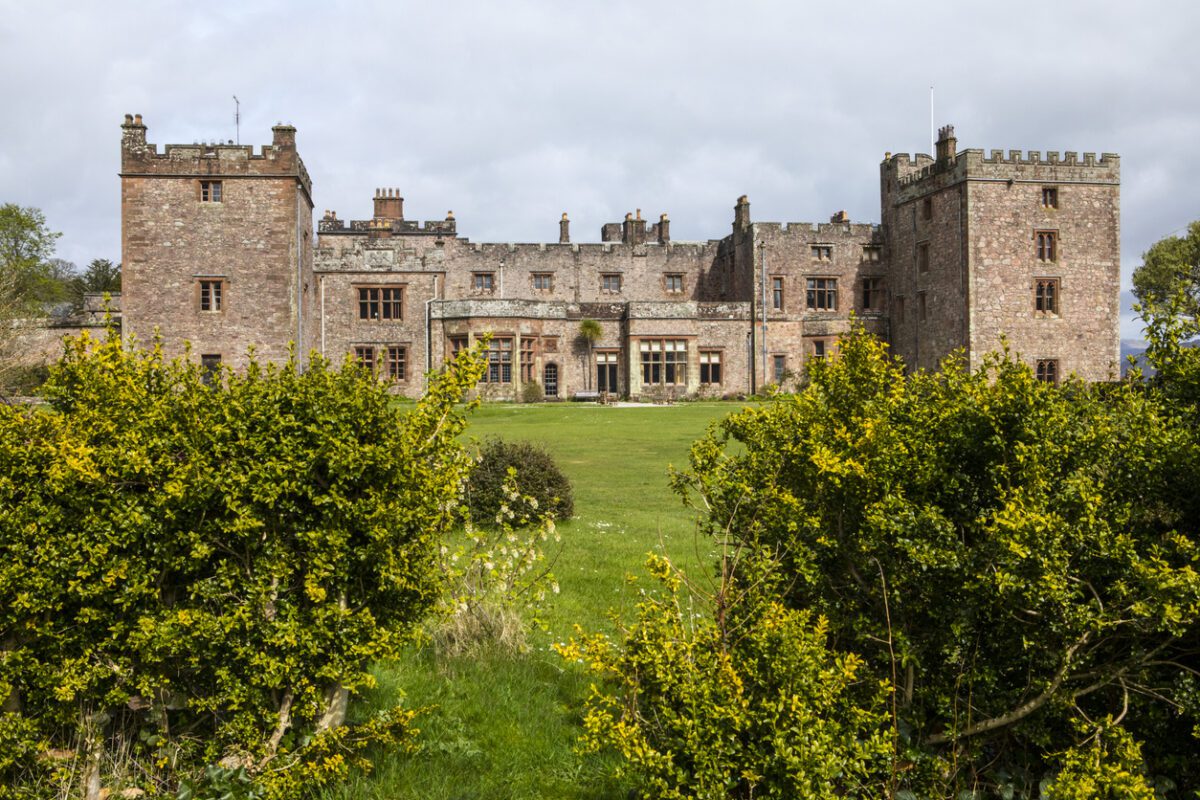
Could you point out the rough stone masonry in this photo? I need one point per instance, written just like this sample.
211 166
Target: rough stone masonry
218 255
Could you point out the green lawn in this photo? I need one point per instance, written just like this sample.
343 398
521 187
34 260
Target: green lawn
505 726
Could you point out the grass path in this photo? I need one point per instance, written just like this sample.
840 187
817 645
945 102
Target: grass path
505 727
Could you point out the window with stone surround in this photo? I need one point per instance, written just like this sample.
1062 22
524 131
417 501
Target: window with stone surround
483 281
873 295
822 252
673 282
779 368
364 354
822 294
777 292
500 352
1047 245
210 191
397 362
922 307
664 362
922 256
710 367
1045 296
1049 197
543 281
212 294
821 348
527 353
380 303
606 371
458 344
872 253
610 282
210 368
1047 370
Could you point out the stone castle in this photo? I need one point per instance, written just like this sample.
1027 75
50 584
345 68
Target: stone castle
219 251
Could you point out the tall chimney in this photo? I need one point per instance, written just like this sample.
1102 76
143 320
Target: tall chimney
389 205
664 229
564 230
946 145
284 136
741 213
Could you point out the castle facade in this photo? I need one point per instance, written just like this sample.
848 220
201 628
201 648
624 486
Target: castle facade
219 252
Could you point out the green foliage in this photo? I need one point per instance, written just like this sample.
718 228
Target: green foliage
1009 555
496 579
1106 767
26 251
540 489
200 573
101 276
1171 269
590 331
531 392
740 700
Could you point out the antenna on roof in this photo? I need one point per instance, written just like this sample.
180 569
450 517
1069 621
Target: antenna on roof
237 118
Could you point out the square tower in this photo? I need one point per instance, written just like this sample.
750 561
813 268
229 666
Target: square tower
216 246
1022 247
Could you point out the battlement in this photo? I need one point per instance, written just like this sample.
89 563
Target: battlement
910 171
379 227
592 249
214 159
1066 159
816 231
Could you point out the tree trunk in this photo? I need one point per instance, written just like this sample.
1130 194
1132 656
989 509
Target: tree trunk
93 753
337 700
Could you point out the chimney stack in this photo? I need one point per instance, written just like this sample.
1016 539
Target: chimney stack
564 230
840 217
389 205
284 136
741 213
664 229
946 145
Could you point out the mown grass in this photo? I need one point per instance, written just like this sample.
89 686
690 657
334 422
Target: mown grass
505 726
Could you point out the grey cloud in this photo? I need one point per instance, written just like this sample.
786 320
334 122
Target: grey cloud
510 113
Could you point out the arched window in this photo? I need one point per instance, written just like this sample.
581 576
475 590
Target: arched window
550 379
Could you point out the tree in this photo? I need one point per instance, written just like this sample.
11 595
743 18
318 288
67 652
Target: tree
100 277
26 249
590 331
1171 266
1014 558
194 573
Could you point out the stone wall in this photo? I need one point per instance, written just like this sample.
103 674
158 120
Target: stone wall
978 217
255 240
952 265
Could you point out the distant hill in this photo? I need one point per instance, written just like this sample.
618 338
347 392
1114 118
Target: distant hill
1137 349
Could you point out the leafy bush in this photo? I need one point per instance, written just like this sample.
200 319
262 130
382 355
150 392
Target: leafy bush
496 580
531 392
200 574
1012 556
541 487
743 699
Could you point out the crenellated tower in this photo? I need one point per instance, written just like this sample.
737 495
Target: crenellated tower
216 244
1023 247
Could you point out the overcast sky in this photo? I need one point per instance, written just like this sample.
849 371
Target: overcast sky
509 113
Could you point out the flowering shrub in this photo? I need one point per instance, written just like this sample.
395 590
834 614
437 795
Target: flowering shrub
196 573
497 577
